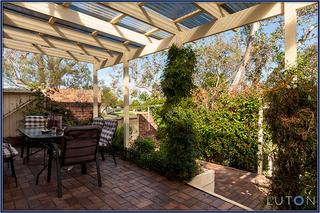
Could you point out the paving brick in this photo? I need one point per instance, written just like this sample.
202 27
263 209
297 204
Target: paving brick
125 187
144 203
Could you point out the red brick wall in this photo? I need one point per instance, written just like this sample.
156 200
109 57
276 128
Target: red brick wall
81 111
146 129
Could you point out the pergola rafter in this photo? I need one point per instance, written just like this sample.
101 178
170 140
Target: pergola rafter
187 16
213 9
43 40
36 25
34 48
137 11
85 20
50 37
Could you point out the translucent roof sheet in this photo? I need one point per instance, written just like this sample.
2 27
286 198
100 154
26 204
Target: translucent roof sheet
198 20
172 10
134 24
94 9
168 11
235 7
161 34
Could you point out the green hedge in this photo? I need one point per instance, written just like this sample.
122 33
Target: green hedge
228 134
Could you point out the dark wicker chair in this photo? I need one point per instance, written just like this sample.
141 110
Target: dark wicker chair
79 146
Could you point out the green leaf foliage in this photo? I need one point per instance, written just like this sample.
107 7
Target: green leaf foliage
176 130
228 134
292 117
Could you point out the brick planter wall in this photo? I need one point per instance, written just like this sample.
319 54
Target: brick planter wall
147 129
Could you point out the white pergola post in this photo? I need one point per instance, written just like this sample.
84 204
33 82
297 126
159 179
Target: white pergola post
260 142
95 90
290 34
126 100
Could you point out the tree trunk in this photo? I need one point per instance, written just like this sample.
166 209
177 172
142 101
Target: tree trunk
238 80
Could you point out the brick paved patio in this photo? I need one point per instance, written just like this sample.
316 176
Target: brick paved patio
125 187
243 187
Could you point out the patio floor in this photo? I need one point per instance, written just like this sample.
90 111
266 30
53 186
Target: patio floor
243 187
125 187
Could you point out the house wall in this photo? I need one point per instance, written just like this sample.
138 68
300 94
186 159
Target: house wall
13 104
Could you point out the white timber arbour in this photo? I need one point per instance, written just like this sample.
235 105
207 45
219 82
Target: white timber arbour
26 33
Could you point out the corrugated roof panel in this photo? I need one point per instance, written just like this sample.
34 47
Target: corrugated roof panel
94 9
162 34
84 29
172 10
134 24
236 7
198 20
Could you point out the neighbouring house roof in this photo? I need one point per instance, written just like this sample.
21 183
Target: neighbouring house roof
74 96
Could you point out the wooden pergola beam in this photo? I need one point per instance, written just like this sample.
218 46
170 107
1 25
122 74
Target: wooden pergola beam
150 32
33 48
212 9
28 23
66 4
52 20
187 16
40 39
290 35
118 18
85 20
250 15
137 11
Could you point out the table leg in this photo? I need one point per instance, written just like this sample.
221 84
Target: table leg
49 165
59 184
84 169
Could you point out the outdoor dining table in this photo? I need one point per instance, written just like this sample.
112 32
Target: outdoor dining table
47 140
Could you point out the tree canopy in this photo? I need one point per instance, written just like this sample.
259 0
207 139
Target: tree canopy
28 70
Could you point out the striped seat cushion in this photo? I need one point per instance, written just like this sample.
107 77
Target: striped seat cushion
98 121
108 131
8 150
35 121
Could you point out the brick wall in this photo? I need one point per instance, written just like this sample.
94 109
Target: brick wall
81 111
147 129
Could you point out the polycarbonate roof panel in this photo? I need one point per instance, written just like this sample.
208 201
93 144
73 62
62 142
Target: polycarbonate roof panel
135 25
172 10
89 30
198 20
94 9
161 34
236 7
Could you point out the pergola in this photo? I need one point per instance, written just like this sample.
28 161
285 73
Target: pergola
108 33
